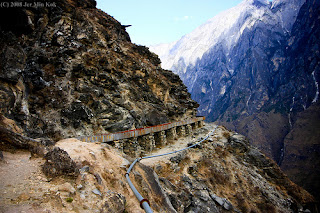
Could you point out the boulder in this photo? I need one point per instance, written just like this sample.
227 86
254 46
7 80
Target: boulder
115 202
59 163
222 202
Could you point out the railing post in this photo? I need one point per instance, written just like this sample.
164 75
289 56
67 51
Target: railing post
188 129
181 131
160 138
172 133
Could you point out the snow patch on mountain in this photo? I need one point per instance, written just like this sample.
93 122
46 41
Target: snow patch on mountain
225 29
317 88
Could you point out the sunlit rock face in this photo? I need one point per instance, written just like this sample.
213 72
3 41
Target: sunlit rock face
70 69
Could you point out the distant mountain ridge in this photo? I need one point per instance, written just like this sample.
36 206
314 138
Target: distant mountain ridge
225 28
259 72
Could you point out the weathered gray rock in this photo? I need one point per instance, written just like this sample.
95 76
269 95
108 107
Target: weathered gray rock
59 163
114 203
222 202
152 181
192 170
12 61
255 157
77 113
238 142
39 147
97 192
178 158
198 146
98 178
1 156
90 79
85 169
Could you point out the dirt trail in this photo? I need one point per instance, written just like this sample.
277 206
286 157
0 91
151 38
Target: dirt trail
22 184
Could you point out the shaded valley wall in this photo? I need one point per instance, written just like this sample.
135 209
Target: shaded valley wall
259 75
287 126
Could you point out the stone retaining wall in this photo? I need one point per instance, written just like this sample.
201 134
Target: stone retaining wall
140 142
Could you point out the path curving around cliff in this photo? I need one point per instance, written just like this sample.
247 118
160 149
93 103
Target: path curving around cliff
180 143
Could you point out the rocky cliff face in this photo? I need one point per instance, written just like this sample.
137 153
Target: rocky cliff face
67 69
301 155
260 83
238 79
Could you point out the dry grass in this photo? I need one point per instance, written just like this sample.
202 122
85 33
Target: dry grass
266 207
242 204
184 162
218 177
214 175
110 179
221 152
165 170
226 134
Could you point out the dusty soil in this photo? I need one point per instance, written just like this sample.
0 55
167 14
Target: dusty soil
23 186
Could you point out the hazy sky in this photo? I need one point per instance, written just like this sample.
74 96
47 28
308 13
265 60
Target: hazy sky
164 21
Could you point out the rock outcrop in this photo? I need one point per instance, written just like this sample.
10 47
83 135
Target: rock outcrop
301 145
69 69
227 174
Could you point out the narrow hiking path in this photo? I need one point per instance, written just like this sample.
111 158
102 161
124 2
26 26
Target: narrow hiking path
23 186
177 146
180 144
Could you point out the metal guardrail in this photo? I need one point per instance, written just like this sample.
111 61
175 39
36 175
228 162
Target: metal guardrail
137 132
144 203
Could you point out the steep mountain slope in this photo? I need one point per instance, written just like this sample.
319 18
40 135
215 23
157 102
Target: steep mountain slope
225 29
68 69
237 70
301 145
258 75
